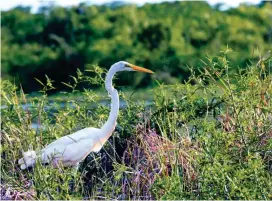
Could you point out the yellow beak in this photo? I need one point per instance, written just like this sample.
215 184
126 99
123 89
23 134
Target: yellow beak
140 69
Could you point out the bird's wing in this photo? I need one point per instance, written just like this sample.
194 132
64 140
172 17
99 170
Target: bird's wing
71 148
75 137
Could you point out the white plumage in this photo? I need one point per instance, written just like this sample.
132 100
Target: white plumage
71 149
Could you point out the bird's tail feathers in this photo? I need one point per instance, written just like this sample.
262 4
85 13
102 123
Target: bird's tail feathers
28 160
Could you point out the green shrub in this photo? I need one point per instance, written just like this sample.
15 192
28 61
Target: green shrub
209 138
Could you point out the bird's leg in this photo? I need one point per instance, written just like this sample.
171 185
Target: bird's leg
74 176
76 168
74 171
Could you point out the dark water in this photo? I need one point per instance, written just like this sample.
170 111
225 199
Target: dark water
53 108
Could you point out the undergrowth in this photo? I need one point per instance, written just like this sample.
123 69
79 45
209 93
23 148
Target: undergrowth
209 138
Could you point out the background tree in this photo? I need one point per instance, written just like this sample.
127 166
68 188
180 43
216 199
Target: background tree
164 37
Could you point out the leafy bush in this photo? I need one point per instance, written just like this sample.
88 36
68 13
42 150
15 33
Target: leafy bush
209 138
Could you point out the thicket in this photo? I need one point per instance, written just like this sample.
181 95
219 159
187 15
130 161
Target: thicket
208 140
164 37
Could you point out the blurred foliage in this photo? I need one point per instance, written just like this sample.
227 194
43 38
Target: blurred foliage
164 37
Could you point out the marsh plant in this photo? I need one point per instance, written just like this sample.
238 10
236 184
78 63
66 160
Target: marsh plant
208 138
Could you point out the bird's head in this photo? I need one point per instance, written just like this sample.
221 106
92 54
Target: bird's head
125 66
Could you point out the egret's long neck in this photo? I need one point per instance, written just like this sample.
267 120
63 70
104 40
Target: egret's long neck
109 126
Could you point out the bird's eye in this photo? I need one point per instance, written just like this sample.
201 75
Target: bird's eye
126 65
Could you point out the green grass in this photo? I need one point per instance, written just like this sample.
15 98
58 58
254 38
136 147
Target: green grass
209 138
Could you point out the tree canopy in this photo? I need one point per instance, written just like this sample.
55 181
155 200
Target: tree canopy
166 38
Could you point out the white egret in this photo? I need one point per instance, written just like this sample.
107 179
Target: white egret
71 149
